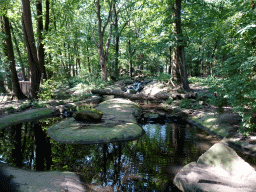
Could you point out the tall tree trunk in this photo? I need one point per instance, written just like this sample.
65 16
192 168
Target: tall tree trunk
2 85
47 15
253 4
213 58
101 31
130 59
131 54
116 71
19 55
88 60
31 48
15 81
175 70
180 46
169 67
103 64
40 46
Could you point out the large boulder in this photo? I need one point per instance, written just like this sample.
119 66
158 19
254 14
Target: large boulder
117 124
218 169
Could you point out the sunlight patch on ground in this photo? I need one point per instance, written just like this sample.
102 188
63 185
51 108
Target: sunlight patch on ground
211 120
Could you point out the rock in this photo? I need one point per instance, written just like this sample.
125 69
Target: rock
178 113
26 116
178 96
131 91
201 102
123 88
229 118
181 114
118 124
92 115
153 88
151 115
218 169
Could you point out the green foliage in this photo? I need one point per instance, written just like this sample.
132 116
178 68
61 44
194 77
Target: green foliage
47 89
39 104
10 109
163 77
24 105
189 104
32 104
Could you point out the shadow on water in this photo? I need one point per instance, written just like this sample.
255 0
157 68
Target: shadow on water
146 164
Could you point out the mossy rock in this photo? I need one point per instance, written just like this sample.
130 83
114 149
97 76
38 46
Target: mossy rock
117 124
26 116
92 115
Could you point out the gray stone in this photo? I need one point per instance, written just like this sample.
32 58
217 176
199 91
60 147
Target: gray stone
131 91
219 169
118 124
88 115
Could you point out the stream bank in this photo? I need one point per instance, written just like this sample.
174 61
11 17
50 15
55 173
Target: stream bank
203 115
224 126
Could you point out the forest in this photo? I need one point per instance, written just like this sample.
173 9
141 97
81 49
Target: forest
55 44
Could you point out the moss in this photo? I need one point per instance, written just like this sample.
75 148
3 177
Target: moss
26 116
93 110
211 123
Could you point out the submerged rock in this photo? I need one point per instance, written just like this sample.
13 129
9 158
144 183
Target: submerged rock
218 169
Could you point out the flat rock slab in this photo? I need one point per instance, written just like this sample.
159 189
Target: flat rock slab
54 181
218 169
118 124
26 116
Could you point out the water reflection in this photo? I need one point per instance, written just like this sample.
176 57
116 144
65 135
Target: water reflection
147 164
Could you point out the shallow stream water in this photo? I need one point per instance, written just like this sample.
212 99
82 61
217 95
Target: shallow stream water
146 164
149 163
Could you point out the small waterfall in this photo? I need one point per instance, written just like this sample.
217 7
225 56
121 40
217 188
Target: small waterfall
136 86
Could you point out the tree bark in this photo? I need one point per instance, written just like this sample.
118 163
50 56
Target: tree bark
253 4
116 71
19 54
180 46
169 67
15 81
40 46
2 86
31 48
101 31
47 15
130 59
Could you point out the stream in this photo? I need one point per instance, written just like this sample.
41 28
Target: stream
146 164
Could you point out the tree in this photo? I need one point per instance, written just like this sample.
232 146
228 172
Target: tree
179 64
40 28
31 48
15 81
19 54
103 52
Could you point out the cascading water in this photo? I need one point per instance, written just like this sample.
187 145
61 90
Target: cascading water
136 86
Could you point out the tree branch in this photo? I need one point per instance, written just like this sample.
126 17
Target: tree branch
95 41
109 16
